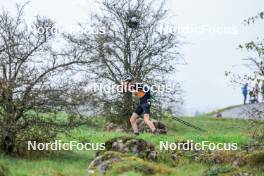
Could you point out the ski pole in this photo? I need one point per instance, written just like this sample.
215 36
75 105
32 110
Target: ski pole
188 124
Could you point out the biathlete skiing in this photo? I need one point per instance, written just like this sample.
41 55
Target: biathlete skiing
143 92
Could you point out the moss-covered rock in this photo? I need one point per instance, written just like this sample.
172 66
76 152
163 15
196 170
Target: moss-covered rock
101 163
138 147
116 163
237 159
161 127
127 154
112 127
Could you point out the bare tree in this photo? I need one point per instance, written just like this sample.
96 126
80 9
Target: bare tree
35 82
255 63
256 112
130 40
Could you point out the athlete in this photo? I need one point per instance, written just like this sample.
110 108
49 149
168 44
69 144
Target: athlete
143 107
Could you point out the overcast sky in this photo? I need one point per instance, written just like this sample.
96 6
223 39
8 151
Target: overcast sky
208 54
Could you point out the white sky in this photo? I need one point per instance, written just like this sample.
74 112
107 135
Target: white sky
208 55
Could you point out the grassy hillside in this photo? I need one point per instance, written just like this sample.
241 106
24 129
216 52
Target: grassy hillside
222 110
76 162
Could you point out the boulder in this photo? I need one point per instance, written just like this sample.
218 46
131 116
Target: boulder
138 147
101 163
116 163
112 127
161 127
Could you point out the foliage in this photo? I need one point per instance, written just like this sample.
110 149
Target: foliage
251 20
131 43
35 82
255 63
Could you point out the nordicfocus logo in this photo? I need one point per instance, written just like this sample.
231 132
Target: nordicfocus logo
115 88
189 145
58 145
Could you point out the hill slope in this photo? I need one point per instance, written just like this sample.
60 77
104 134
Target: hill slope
247 111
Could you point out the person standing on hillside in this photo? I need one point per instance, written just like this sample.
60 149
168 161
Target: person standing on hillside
245 92
262 91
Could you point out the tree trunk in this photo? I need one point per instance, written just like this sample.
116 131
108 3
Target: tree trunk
8 135
127 108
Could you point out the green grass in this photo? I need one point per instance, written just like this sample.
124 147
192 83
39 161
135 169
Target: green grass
217 130
76 162
63 164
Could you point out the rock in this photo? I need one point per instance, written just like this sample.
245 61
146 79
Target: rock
138 147
116 163
235 158
152 155
161 127
175 157
238 163
102 163
218 115
111 127
235 163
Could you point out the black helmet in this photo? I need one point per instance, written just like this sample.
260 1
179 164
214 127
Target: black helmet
127 77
